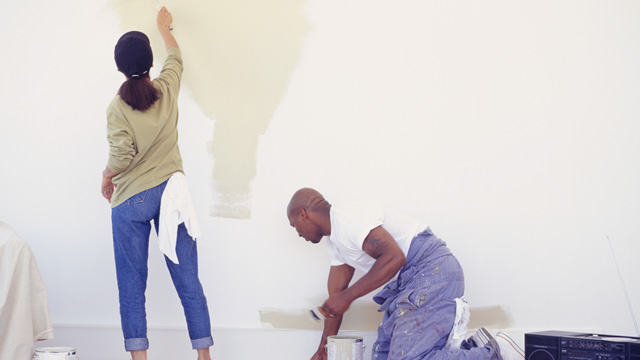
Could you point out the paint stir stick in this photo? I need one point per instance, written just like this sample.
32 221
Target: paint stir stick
160 7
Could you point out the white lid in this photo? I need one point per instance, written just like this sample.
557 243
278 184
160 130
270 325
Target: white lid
58 349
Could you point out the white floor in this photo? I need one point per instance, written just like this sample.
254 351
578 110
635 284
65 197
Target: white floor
106 343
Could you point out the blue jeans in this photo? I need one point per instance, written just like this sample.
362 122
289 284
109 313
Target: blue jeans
420 307
131 222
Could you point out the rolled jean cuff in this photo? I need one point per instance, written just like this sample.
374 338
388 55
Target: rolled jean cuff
136 344
202 343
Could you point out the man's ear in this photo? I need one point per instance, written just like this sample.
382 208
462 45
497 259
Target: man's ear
303 213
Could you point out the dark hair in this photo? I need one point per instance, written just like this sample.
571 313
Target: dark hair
139 92
134 58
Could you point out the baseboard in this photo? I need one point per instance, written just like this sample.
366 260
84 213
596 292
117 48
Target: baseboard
106 343
171 343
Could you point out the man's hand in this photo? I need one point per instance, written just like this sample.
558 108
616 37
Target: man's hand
319 355
339 278
336 304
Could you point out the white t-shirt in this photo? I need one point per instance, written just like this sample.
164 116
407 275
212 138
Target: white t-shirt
352 222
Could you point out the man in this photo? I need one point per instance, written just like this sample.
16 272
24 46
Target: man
423 279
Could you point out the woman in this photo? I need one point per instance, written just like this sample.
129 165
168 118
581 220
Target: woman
144 164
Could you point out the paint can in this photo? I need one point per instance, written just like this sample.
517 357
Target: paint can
55 353
345 348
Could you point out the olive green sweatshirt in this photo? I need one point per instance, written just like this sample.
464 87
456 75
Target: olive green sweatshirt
143 145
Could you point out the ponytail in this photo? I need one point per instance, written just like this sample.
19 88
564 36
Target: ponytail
139 92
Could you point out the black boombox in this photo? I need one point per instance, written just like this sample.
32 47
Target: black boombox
562 345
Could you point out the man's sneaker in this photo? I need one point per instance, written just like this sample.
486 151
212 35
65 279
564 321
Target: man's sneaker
481 337
509 350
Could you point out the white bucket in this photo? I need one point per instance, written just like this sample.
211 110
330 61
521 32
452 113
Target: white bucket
55 353
345 348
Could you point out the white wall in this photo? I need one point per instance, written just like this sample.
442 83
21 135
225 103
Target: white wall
510 127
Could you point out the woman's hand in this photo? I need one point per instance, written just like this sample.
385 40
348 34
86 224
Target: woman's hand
107 185
164 19
164 26
107 188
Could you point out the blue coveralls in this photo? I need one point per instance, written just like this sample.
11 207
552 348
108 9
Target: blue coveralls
420 306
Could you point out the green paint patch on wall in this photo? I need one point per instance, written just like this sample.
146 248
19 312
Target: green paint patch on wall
239 56
361 316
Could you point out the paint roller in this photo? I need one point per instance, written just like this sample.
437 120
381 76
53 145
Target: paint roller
160 7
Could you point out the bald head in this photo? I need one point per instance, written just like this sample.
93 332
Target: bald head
309 213
308 199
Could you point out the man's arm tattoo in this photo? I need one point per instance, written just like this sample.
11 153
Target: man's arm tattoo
377 244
